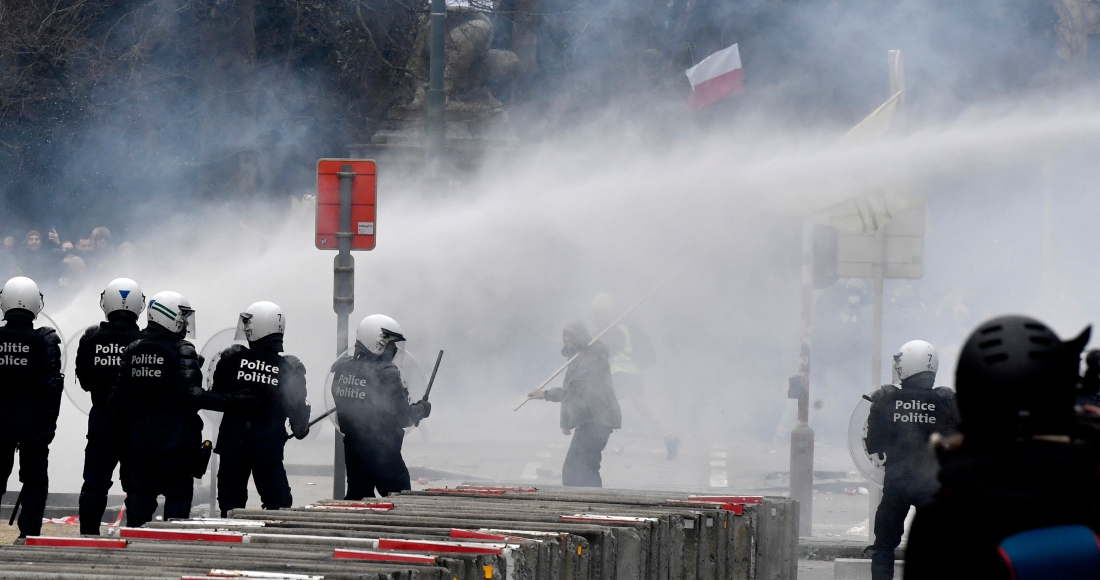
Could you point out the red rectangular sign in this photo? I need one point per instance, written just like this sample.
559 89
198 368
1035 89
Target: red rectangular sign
364 192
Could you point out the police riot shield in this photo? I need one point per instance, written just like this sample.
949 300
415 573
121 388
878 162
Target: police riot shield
871 466
80 398
211 353
412 376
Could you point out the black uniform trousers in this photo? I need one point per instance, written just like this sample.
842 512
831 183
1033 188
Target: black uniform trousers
266 470
582 461
898 493
105 448
374 461
155 473
33 474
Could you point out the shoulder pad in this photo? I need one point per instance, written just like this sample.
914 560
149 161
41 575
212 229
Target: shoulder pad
187 349
390 372
232 350
49 335
294 364
189 354
91 331
884 391
945 392
343 359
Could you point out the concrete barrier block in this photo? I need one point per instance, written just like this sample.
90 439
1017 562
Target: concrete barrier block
860 569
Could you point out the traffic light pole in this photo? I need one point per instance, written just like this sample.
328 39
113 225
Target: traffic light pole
343 302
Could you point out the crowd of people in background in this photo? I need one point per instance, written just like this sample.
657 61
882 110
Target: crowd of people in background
53 260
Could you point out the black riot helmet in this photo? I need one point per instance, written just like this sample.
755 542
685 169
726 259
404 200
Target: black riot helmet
1015 378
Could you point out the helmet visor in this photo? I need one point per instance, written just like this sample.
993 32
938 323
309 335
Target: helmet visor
244 325
188 316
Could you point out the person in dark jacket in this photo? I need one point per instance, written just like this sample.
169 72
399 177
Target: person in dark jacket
158 396
373 410
900 425
36 261
589 409
98 359
30 370
251 438
1014 467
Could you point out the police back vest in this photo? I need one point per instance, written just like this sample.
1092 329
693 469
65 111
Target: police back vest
99 357
156 384
369 395
150 377
265 374
23 362
903 419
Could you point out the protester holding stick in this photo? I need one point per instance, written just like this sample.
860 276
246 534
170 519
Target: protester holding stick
588 406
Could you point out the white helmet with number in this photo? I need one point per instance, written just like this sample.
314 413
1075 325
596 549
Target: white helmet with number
122 294
21 292
377 331
172 311
259 320
915 356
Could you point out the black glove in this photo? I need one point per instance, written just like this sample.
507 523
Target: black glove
420 411
300 433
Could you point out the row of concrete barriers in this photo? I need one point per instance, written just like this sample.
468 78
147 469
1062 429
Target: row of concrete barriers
464 533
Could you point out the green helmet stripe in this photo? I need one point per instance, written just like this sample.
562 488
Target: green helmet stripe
163 310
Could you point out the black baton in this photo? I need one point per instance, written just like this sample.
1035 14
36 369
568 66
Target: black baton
315 421
431 381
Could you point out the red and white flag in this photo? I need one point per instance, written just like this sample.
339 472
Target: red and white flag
719 76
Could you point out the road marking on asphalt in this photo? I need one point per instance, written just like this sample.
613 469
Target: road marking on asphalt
718 476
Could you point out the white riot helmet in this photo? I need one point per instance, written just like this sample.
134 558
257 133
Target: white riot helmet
122 294
21 292
915 356
172 311
259 320
377 331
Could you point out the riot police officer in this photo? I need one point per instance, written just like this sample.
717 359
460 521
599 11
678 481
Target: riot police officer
372 409
900 424
98 358
158 395
30 370
1015 467
252 435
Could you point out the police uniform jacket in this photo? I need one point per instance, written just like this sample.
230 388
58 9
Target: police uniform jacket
276 385
901 422
98 360
371 401
159 392
30 375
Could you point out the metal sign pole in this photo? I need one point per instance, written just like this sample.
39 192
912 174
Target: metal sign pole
343 301
802 436
436 124
214 480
